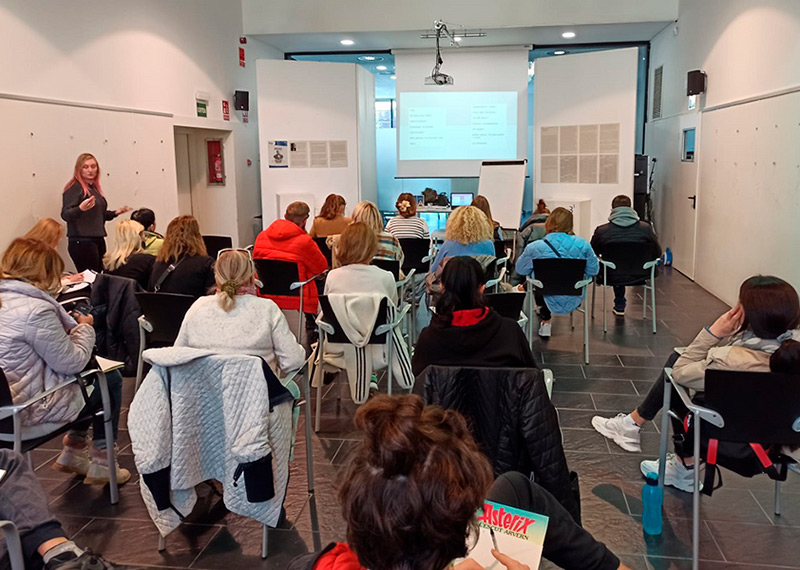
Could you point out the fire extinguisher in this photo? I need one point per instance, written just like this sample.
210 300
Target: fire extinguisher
218 168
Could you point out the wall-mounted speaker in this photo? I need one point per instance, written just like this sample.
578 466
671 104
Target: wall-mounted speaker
241 100
695 82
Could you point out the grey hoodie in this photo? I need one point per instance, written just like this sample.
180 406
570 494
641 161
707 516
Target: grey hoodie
623 216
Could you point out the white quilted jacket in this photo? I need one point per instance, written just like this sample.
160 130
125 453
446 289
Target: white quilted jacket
220 418
40 347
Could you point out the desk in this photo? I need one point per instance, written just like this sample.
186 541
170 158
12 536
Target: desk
435 216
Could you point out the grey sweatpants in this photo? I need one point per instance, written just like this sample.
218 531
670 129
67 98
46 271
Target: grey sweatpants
23 501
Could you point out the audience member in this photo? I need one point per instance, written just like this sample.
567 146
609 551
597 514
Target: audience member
84 210
624 227
482 204
355 249
48 231
464 331
42 346
744 338
236 321
388 247
331 220
406 224
468 232
559 242
786 360
151 241
183 265
23 501
127 258
287 240
412 486
533 228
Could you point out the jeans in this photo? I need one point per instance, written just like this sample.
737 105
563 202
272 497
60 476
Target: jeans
23 501
95 403
619 297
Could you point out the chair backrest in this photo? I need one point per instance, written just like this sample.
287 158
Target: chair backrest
390 265
414 250
322 244
758 407
277 277
559 275
327 314
165 311
215 243
6 425
629 257
506 304
499 248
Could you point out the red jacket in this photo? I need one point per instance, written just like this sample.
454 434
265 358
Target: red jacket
335 556
286 241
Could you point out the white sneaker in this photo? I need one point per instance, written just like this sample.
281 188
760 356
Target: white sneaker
621 429
676 473
545 329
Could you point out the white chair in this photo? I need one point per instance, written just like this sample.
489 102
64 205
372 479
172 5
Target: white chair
13 544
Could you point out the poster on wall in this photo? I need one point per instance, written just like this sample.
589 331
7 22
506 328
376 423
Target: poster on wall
215 163
582 154
278 152
318 154
338 154
298 154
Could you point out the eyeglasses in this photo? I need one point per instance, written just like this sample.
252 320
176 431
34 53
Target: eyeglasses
249 253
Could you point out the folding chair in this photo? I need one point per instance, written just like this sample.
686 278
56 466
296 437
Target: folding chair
393 267
560 276
11 420
628 264
322 244
509 305
331 331
417 256
216 243
745 407
13 544
162 316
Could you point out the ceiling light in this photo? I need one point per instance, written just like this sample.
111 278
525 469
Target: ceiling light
559 52
393 77
381 68
347 42
568 35
457 38
366 58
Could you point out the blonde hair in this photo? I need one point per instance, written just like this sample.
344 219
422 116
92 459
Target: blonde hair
182 239
34 262
232 271
357 244
46 230
127 241
466 225
559 220
368 213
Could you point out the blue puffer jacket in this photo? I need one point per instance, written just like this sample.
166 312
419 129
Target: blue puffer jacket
569 247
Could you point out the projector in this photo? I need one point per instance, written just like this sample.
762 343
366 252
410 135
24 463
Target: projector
439 79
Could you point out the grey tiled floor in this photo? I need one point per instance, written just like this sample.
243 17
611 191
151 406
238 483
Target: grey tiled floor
739 530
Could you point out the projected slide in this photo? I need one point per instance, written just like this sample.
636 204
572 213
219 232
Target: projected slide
458 126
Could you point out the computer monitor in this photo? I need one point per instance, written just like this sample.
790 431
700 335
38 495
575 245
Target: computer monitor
461 199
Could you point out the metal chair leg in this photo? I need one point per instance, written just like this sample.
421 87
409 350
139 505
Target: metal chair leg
162 543
585 336
140 364
319 373
594 295
778 498
307 409
109 433
662 454
696 499
653 301
13 545
605 311
263 541
644 304
389 362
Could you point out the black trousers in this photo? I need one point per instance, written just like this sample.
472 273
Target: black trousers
566 543
87 253
544 310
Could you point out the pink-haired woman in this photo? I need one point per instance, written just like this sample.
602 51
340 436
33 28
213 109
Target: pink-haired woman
84 208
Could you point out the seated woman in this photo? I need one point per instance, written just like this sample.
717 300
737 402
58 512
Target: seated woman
406 224
468 232
126 258
558 243
412 486
531 230
42 346
182 264
482 204
388 247
46 230
236 321
331 219
744 338
464 331
355 249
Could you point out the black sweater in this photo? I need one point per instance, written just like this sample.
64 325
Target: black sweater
193 276
91 223
138 267
495 342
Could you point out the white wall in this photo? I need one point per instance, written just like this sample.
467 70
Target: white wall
747 206
99 53
314 101
588 89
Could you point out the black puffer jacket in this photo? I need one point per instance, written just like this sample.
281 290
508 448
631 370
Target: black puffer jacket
624 227
512 419
116 313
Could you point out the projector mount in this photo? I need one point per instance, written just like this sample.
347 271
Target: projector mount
437 77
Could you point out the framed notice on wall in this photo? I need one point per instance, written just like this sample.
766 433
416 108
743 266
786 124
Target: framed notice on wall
215 166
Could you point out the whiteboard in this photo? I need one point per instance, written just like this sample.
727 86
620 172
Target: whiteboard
502 182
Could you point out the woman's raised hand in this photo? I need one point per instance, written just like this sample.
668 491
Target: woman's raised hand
728 323
122 210
87 204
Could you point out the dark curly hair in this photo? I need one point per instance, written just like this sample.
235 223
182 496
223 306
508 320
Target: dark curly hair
412 486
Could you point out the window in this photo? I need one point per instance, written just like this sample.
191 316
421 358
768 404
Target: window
688 145
385 111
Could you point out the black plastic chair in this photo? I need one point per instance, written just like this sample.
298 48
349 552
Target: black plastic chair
508 305
628 264
162 316
560 276
216 243
416 255
746 407
322 244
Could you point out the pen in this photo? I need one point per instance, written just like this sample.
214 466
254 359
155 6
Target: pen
494 539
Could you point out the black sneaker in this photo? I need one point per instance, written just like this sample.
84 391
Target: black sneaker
86 561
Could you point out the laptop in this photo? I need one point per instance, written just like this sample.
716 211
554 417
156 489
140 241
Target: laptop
461 199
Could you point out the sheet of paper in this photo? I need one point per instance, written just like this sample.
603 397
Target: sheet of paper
298 154
338 154
107 365
550 169
609 169
568 168
318 154
609 138
549 142
588 139
587 169
568 140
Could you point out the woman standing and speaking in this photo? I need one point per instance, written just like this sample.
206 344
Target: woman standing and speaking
84 208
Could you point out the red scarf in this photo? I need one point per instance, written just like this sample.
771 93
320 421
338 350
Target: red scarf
469 317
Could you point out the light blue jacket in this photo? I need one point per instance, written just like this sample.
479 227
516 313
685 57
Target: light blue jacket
570 247
452 248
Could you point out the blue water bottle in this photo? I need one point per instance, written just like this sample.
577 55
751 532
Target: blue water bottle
668 254
652 498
